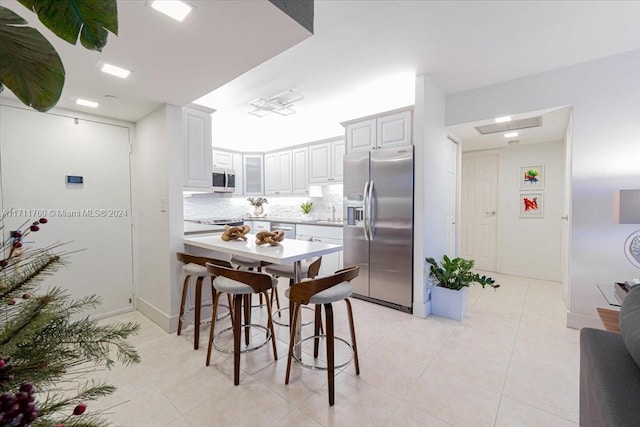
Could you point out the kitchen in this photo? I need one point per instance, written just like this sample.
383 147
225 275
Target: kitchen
309 172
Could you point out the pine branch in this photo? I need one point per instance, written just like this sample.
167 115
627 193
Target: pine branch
33 273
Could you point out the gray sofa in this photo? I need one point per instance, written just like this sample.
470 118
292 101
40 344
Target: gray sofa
610 370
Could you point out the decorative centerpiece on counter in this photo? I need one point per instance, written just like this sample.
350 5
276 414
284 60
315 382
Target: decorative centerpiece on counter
306 207
271 237
257 203
235 232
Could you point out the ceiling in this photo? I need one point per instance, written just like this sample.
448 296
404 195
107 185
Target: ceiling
362 59
553 128
172 62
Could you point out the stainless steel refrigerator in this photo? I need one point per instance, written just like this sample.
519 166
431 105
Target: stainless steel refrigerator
378 226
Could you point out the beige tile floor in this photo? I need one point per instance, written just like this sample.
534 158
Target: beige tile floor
510 362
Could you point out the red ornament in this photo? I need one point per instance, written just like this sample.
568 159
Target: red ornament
43 220
4 263
79 410
26 296
17 244
16 234
34 228
2 363
12 301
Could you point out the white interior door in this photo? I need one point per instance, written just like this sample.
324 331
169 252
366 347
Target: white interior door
479 208
38 151
452 194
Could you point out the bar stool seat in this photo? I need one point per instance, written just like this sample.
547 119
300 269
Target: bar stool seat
194 266
246 262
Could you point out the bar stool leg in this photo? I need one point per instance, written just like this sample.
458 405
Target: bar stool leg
317 325
213 325
330 356
183 300
295 312
237 332
353 336
197 310
270 327
247 317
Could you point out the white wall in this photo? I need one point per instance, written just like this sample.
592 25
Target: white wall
605 96
157 199
431 184
530 247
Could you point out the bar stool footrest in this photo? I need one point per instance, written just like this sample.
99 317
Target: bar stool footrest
186 320
281 323
320 367
243 347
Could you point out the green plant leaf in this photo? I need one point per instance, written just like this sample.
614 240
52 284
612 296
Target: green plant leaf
68 19
29 65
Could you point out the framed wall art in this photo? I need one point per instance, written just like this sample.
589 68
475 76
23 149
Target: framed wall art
531 205
532 177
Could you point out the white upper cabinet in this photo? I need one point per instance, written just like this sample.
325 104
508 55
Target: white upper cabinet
325 162
277 173
361 136
237 168
197 149
252 174
384 131
300 174
222 159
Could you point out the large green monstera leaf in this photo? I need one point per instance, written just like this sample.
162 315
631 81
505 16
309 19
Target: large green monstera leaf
29 65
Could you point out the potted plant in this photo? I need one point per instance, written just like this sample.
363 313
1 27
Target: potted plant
257 203
306 207
452 278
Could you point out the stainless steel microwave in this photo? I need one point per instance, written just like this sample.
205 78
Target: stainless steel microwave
224 180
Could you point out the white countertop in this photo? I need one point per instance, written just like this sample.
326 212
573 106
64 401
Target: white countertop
287 252
297 220
195 228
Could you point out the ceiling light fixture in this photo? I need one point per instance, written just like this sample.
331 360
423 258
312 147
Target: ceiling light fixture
86 103
280 104
175 9
115 71
511 134
502 119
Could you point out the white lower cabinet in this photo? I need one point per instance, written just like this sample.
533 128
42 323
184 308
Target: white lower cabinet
317 233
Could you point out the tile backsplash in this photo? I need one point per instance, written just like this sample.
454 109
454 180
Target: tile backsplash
210 205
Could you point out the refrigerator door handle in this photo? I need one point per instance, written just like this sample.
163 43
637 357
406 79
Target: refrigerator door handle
365 193
370 211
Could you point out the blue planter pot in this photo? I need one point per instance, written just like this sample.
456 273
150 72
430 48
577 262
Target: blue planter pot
449 303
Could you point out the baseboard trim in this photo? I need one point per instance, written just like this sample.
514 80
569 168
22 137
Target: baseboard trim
579 321
157 316
422 310
112 313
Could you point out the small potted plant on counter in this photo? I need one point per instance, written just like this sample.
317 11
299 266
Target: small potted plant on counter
306 207
452 278
257 203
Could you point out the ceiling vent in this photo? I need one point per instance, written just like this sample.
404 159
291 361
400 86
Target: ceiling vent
532 122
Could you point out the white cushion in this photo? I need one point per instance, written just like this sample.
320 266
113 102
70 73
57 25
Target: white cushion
195 270
286 270
224 284
245 262
333 294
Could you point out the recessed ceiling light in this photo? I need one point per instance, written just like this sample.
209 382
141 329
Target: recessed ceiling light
86 103
115 71
175 9
502 119
511 134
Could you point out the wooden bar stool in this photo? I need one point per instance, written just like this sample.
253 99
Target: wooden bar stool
195 266
325 291
251 264
240 284
310 270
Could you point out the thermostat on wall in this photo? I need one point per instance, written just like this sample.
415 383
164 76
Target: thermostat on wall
74 179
